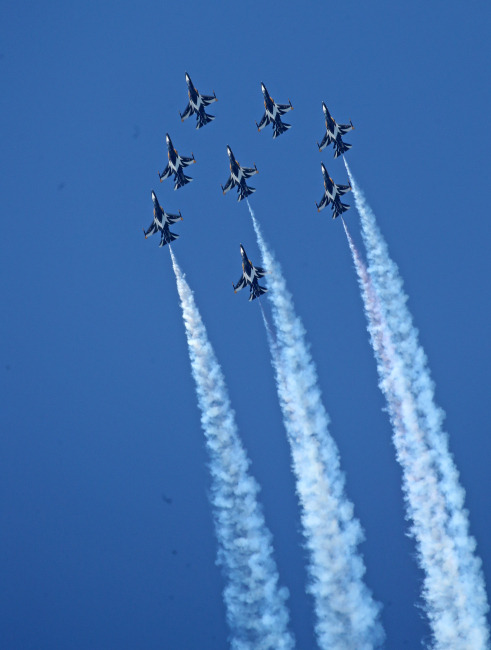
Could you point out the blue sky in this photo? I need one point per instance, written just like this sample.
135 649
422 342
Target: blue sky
106 529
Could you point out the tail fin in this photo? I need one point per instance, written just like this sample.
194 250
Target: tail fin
280 127
181 180
168 238
203 118
245 191
341 147
257 291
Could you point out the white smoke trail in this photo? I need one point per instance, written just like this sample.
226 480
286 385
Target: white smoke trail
255 604
454 587
346 615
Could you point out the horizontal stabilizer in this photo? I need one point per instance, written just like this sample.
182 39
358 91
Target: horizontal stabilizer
181 180
203 118
168 238
257 291
245 191
339 208
280 127
341 147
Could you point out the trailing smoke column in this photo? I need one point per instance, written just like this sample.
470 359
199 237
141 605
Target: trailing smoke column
347 617
255 604
454 590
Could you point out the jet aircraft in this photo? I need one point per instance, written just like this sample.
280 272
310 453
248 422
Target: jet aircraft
334 131
238 177
273 113
250 276
161 221
176 165
332 195
197 105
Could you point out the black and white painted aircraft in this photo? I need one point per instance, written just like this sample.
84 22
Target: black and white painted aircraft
161 221
332 195
250 276
176 165
238 177
197 105
273 113
334 131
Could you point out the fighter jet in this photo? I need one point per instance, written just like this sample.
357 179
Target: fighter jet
197 105
334 131
332 194
272 114
250 276
161 221
238 177
175 165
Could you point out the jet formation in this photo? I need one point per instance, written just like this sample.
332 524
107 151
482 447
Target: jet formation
272 114
250 276
197 104
238 174
238 177
334 131
176 165
161 221
332 194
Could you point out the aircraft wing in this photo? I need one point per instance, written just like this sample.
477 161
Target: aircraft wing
151 230
342 189
324 201
229 184
208 99
265 120
240 284
283 108
166 173
260 272
248 171
187 112
344 128
172 218
185 162
327 139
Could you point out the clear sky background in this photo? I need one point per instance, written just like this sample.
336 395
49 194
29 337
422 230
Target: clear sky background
106 531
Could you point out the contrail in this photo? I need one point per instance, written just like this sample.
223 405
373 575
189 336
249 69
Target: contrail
255 603
347 617
454 588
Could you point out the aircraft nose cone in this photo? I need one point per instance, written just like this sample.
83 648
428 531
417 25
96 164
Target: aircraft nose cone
153 196
324 107
187 77
167 139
